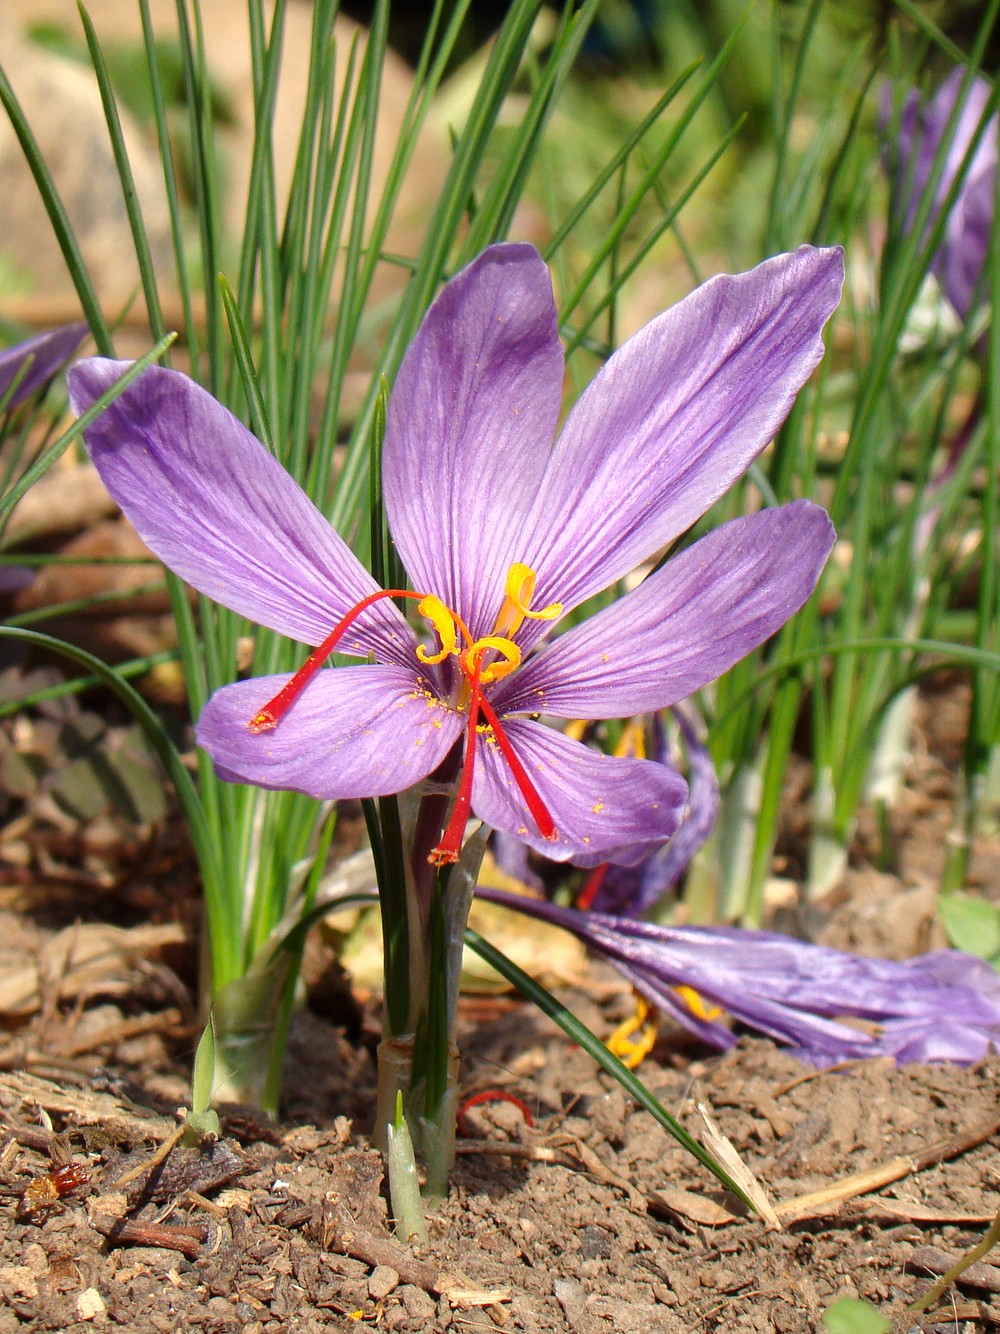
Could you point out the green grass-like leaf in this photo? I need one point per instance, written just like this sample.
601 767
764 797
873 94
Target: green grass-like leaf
581 1034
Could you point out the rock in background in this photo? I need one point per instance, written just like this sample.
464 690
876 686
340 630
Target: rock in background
62 104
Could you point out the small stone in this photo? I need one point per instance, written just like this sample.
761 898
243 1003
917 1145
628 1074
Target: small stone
90 1305
382 1281
419 1304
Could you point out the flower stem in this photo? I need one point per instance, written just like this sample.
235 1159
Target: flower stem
421 1064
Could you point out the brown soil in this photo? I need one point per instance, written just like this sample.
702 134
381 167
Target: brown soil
589 1220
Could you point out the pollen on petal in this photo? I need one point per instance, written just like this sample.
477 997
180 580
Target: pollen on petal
597 807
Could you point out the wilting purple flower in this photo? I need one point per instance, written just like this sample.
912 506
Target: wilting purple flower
41 357
502 534
943 1006
961 256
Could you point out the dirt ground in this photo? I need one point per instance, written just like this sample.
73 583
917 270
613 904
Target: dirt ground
590 1219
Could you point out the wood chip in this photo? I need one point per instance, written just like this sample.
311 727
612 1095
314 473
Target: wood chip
980 1275
893 1169
680 1203
79 960
723 1151
23 1094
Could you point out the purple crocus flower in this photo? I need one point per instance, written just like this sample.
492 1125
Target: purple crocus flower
41 357
502 534
943 1006
961 256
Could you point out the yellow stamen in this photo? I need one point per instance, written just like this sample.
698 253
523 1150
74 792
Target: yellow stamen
444 622
508 662
696 1003
623 1043
519 589
632 742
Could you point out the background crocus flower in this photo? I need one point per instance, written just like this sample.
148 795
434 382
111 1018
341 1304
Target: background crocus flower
925 129
42 356
502 534
632 890
943 1006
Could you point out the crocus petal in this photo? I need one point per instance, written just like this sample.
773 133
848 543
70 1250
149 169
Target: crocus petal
512 858
968 127
47 353
923 127
961 260
684 625
937 1007
209 500
936 1039
472 417
814 1038
630 891
598 802
674 418
15 578
354 732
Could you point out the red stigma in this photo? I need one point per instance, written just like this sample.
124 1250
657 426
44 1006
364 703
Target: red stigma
533 801
276 708
450 847
491 1095
585 899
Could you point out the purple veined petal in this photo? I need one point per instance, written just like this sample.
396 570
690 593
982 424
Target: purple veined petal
207 498
937 1007
817 1038
924 129
46 353
936 1039
961 260
511 857
674 418
353 732
665 998
684 625
471 420
956 968
819 978
599 803
631 891
935 124
662 958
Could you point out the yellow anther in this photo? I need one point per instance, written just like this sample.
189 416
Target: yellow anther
632 742
696 1003
635 1038
509 660
443 621
519 589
